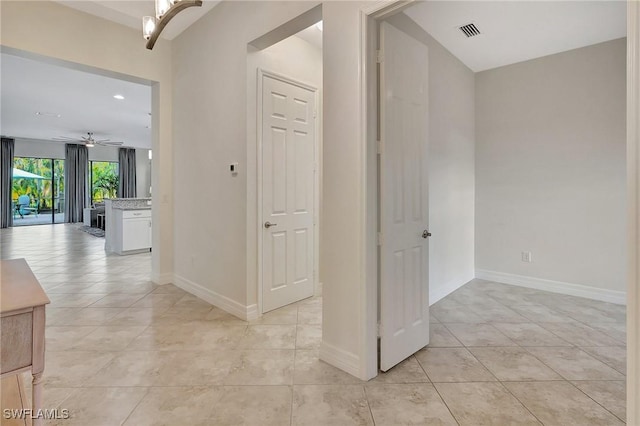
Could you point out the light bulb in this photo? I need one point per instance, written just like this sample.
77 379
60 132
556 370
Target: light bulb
148 25
161 7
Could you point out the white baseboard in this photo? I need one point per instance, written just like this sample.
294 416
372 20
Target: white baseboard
345 361
252 312
162 279
443 291
611 296
246 313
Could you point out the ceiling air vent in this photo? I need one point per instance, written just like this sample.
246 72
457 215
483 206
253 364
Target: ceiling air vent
470 30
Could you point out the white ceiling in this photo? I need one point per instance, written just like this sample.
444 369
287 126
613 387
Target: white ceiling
516 31
130 13
84 102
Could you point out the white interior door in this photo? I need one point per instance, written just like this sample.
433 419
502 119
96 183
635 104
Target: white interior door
404 196
288 150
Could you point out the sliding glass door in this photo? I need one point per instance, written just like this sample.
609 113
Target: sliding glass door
38 191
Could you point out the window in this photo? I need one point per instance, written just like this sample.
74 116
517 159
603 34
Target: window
104 180
38 191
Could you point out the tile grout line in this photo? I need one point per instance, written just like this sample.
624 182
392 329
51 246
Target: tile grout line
589 396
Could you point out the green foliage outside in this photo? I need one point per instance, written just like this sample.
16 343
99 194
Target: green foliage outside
44 193
47 193
104 180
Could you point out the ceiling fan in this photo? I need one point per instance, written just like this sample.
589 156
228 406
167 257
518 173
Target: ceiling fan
89 140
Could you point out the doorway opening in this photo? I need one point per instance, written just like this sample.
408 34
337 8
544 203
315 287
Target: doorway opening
478 104
67 105
288 138
284 134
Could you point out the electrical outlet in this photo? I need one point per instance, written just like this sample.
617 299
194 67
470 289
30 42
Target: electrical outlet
526 256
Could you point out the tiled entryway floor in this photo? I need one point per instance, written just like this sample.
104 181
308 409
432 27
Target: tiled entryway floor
121 349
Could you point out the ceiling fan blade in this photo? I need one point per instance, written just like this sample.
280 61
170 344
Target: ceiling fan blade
102 140
64 138
109 143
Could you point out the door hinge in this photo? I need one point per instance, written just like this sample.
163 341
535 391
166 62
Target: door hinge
379 330
379 56
380 147
380 238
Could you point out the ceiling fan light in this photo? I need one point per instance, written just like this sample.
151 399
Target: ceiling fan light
89 145
148 25
161 7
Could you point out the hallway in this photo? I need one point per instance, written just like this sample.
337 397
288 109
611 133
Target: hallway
122 350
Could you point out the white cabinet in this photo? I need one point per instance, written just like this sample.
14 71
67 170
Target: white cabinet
136 231
131 231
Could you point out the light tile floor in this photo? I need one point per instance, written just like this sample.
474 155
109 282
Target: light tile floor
122 350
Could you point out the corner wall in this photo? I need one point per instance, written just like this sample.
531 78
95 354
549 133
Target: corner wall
550 172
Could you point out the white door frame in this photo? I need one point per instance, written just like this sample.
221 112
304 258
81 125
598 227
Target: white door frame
316 181
382 9
633 230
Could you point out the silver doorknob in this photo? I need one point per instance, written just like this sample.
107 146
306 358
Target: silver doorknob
269 224
426 234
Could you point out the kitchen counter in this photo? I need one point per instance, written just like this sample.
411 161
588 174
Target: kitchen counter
128 225
132 208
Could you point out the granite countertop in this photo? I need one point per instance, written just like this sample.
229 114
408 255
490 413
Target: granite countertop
133 208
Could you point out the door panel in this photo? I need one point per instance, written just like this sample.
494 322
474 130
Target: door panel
404 210
288 146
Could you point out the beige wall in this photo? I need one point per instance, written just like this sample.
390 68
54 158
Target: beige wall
68 37
451 165
550 168
348 312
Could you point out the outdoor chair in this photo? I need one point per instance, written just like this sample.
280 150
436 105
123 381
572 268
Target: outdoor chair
24 206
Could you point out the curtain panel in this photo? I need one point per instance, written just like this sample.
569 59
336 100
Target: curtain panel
6 182
127 173
76 176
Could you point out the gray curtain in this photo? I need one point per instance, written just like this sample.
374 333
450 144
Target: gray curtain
127 173
76 175
6 182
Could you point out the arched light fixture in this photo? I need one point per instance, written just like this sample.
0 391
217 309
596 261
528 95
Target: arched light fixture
165 11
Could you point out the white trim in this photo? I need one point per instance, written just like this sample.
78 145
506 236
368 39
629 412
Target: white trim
345 361
579 290
442 291
368 339
162 279
633 223
316 181
246 313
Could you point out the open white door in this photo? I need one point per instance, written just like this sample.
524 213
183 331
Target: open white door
404 196
288 150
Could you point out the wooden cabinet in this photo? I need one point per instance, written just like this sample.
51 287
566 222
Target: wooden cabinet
22 321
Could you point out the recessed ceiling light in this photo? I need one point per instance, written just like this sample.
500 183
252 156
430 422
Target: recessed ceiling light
47 114
118 97
319 25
